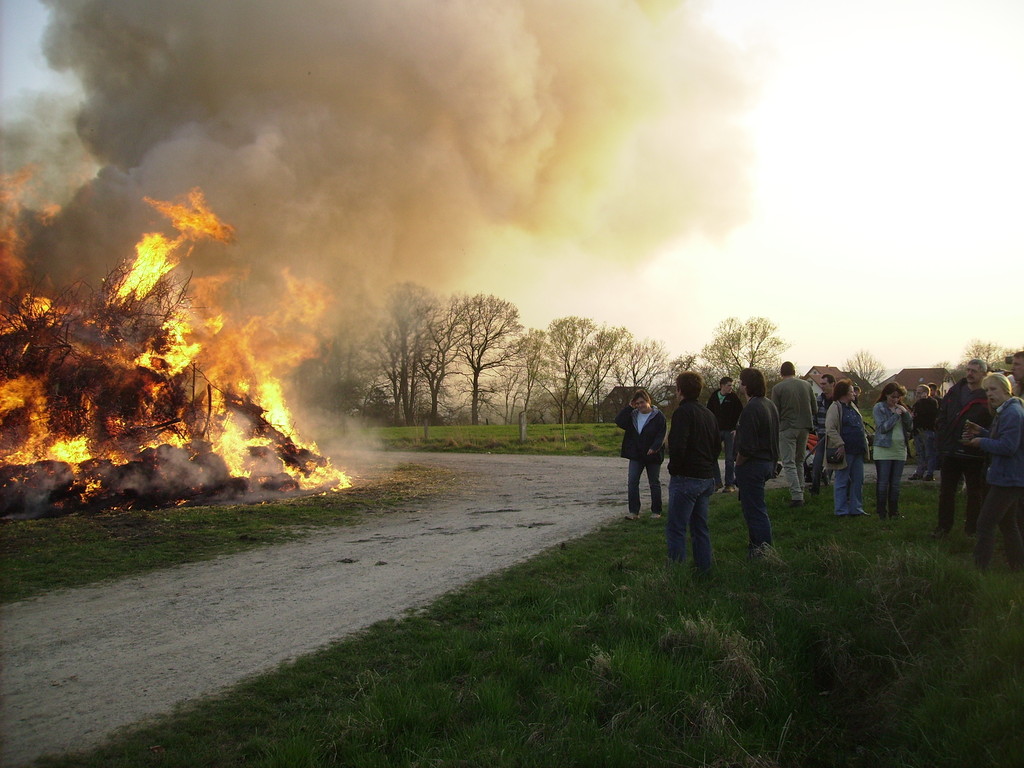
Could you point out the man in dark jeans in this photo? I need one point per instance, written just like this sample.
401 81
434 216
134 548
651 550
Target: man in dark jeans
726 406
757 450
826 383
964 402
693 447
644 445
926 411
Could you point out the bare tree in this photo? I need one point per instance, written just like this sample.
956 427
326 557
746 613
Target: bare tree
736 344
568 339
531 357
518 380
603 353
642 364
403 338
489 329
866 366
443 335
992 353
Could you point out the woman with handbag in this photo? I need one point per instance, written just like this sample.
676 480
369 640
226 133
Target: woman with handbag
893 425
845 450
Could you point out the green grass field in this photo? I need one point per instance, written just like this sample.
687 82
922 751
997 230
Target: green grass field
572 440
856 643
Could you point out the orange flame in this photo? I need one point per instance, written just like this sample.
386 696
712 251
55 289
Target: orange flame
245 360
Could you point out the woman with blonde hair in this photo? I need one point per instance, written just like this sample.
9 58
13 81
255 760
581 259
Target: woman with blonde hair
893 425
1004 443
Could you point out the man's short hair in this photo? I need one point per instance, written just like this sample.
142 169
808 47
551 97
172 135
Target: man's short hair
787 369
728 379
1018 355
689 384
828 377
753 381
979 363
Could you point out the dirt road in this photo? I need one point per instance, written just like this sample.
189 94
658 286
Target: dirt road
81 663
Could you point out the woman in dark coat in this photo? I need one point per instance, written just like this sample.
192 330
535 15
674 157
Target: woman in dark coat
644 445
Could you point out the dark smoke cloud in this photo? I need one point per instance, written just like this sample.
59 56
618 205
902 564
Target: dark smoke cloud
359 141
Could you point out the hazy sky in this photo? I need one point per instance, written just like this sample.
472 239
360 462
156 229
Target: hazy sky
853 171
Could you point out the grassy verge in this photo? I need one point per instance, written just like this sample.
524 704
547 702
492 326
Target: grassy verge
40 555
857 643
572 440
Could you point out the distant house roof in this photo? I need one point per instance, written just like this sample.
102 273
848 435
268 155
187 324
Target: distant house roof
816 372
912 377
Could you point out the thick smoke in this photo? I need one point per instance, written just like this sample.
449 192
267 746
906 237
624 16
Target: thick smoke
356 142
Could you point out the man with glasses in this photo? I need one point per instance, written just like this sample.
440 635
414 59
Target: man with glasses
964 402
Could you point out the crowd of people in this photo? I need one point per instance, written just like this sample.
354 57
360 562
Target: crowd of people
971 436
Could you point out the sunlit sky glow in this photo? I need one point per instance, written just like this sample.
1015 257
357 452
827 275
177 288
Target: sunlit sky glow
887 187
888 191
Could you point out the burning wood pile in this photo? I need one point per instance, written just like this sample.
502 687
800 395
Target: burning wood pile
104 403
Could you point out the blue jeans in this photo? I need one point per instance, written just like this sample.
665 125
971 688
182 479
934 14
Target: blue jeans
689 499
751 477
730 460
636 468
887 491
848 486
927 453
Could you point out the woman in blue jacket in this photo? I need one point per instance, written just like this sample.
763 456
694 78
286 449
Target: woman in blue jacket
644 446
893 425
1004 502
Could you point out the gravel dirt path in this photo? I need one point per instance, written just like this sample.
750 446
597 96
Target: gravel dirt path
79 664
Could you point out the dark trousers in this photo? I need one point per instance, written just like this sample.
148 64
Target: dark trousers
653 470
751 477
952 470
1003 509
819 474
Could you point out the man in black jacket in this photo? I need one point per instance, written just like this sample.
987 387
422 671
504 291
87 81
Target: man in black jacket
693 448
726 406
757 450
964 402
644 445
926 411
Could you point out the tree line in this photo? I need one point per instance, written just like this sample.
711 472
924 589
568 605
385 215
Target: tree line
421 357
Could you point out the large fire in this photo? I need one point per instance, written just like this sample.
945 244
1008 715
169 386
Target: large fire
130 395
